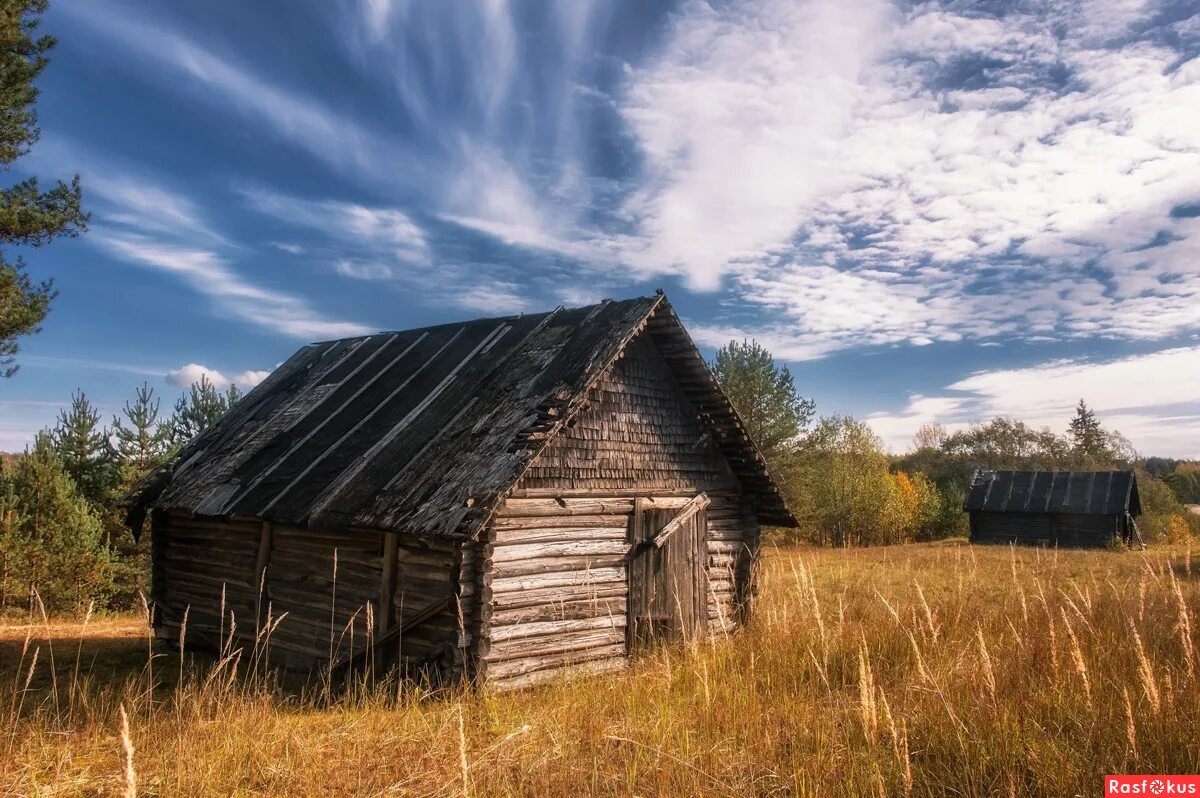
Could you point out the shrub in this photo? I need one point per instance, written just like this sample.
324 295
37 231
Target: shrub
51 540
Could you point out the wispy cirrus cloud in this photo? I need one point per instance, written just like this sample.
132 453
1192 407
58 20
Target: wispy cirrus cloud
362 270
141 221
293 116
211 275
382 233
139 204
495 297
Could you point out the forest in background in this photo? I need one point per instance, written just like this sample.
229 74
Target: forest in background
846 490
63 538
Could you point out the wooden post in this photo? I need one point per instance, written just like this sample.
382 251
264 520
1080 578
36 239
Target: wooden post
158 569
260 573
387 587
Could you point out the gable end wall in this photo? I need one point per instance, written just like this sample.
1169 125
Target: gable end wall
552 566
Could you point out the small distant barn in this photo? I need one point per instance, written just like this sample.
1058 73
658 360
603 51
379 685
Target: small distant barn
503 500
1053 508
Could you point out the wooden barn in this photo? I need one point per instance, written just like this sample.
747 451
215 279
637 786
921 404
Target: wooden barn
500 500
1053 508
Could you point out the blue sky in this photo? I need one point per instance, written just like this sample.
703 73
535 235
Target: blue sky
932 211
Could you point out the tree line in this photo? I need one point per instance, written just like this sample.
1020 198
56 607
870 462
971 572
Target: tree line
62 533
846 490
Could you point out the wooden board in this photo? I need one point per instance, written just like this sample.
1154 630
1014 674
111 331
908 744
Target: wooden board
668 583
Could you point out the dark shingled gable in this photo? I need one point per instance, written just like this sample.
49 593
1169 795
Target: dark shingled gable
424 431
1076 492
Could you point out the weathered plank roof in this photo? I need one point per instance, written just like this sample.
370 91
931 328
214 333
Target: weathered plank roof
424 431
1082 492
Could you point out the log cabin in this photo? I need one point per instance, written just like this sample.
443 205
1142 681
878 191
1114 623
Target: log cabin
1074 509
502 501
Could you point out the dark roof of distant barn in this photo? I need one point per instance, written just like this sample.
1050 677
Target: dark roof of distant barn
425 431
1076 492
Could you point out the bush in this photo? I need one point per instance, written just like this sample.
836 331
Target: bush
1164 518
51 540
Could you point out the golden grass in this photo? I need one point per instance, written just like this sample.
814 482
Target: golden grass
909 670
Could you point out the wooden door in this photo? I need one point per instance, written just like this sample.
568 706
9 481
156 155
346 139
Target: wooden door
668 583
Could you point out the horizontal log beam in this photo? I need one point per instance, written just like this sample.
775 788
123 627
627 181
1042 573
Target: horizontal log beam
545 628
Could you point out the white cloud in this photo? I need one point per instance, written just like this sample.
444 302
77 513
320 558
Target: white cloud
486 194
1152 399
377 16
492 298
387 232
249 379
579 296
288 247
192 373
781 343
740 122
829 162
210 274
362 270
143 205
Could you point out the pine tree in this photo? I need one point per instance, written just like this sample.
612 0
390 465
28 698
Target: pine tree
142 438
28 215
85 450
765 397
1084 428
51 539
200 408
1090 445
143 442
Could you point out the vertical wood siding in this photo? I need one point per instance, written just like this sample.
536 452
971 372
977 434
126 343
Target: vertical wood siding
194 558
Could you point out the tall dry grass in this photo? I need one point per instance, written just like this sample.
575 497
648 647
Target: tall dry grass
913 670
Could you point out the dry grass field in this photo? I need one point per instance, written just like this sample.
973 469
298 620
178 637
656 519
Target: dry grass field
913 670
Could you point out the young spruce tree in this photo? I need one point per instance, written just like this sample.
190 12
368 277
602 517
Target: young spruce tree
200 408
83 445
143 439
143 442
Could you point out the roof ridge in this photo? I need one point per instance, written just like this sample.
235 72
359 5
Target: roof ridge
483 319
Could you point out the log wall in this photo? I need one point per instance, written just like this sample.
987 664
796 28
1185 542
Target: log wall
285 576
555 582
206 568
1052 529
542 592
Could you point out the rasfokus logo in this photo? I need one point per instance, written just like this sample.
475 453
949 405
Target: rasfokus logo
1151 785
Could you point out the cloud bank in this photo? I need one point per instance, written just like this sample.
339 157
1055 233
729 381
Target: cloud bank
1150 398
